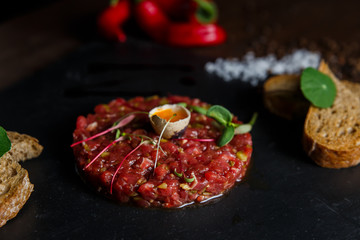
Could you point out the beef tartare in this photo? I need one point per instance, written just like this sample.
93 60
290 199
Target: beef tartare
118 149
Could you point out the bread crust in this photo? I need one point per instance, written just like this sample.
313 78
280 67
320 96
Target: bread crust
330 158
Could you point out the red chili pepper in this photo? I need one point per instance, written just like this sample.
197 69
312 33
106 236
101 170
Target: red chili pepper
195 34
152 20
155 22
111 19
176 10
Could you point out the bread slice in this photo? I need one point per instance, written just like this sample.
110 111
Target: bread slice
352 86
15 188
332 135
283 97
23 147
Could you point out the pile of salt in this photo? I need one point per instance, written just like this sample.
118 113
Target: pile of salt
255 70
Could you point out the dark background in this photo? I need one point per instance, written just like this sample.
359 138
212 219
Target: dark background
49 51
35 33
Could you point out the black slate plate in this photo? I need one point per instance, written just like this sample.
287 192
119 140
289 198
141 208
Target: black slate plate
285 195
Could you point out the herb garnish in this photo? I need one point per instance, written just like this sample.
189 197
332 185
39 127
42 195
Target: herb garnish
224 118
318 88
5 143
189 180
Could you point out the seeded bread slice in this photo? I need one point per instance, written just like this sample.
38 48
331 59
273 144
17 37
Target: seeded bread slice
332 135
15 188
23 147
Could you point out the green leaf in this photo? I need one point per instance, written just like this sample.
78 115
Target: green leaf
117 135
182 104
318 88
5 144
189 180
227 135
178 174
199 109
253 119
246 127
243 128
220 114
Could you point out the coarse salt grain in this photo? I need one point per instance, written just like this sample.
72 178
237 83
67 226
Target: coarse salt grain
255 70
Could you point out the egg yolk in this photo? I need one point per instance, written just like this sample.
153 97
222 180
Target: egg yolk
167 114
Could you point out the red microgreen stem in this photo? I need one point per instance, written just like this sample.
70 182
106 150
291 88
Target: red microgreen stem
118 168
102 151
126 119
197 139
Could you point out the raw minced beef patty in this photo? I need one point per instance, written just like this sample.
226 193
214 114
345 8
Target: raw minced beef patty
187 171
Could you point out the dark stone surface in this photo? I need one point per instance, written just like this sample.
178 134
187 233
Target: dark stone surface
284 196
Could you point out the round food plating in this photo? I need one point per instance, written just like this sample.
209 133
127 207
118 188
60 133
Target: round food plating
192 168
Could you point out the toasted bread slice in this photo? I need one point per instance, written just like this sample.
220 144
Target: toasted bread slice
15 188
352 86
283 97
23 147
332 135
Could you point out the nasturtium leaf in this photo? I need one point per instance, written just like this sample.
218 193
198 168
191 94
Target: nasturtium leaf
5 143
318 88
227 135
220 114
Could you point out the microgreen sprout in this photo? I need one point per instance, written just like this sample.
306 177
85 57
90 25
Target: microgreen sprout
189 180
198 109
246 127
197 139
177 174
159 140
122 161
223 117
102 151
182 104
126 119
117 135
